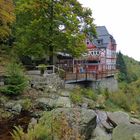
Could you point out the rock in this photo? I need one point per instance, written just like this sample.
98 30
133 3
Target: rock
135 121
3 100
63 102
17 108
101 116
100 134
32 123
102 120
65 93
1 83
136 136
90 103
50 82
5 114
126 132
84 105
37 113
45 103
102 138
9 105
51 95
70 86
84 119
107 126
117 118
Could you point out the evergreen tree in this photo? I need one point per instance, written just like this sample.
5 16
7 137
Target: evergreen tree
122 76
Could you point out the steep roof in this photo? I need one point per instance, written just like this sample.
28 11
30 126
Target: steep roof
103 37
101 31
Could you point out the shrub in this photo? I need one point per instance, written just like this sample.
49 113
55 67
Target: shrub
89 93
76 95
26 104
134 107
106 93
121 99
16 81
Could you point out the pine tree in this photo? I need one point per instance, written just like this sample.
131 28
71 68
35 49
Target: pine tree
122 76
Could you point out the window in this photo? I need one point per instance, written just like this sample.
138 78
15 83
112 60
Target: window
100 41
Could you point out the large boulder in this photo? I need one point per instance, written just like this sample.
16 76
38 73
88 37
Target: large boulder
17 108
45 103
100 134
65 93
63 102
126 132
83 119
13 107
117 118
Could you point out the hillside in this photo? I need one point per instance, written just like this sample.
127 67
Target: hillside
133 68
129 68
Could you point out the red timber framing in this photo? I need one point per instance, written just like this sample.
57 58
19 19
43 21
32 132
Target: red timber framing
98 63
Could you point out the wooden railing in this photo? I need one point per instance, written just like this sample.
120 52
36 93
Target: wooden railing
88 76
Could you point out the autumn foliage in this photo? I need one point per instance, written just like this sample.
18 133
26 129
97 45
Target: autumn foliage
7 17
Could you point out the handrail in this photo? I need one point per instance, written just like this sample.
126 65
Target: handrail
88 76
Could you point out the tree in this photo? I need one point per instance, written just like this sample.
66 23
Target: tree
7 17
122 76
49 26
16 80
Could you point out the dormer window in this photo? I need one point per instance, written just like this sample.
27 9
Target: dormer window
100 41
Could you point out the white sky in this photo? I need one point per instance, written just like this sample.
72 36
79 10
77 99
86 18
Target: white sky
122 19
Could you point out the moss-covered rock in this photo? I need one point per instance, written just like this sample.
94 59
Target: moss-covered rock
126 132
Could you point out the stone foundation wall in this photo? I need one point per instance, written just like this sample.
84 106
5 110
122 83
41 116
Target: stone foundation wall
109 83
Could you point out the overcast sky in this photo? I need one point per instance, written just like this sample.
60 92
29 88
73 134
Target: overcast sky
122 19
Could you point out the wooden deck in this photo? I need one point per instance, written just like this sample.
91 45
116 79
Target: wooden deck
79 77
